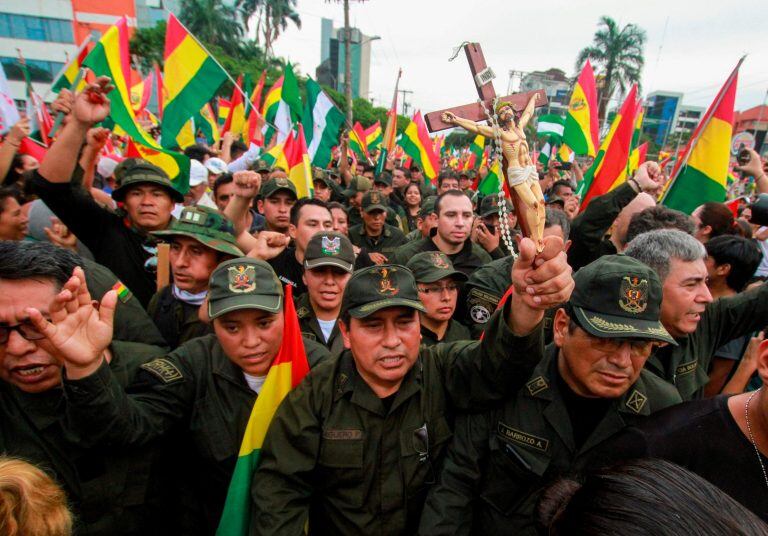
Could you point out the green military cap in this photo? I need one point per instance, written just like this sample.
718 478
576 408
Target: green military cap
372 289
122 168
427 206
384 178
374 200
329 248
272 186
318 173
261 166
207 226
490 205
618 297
244 283
142 172
358 184
431 266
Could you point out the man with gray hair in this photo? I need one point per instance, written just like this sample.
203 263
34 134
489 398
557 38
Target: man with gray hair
699 325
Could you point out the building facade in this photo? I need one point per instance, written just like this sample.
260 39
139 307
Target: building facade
331 70
556 85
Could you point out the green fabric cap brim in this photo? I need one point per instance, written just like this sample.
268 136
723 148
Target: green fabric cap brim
119 193
371 208
437 275
371 307
621 327
270 304
329 261
213 243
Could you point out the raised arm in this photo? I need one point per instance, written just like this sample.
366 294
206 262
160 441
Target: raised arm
247 185
466 124
11 144
528 112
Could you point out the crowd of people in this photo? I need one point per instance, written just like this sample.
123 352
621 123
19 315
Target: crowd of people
459 383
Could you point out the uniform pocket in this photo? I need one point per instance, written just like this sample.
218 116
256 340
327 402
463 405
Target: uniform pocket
422 454
340 469
507 482
210 432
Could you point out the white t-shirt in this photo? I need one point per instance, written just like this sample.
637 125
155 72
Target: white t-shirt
762 269
326 326
254 382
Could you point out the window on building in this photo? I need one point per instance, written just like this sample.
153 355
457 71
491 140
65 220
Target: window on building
39 70
36 28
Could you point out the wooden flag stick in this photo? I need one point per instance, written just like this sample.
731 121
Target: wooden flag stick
163 265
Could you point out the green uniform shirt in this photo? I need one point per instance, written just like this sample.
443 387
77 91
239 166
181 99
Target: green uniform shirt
196 394
467 260
500 461
686 366
456 332
108 487
335 455
177 321
386 243
310 328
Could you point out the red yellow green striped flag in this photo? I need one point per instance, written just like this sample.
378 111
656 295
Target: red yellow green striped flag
357 141
476 148
635 156
205 123
106 59
191 78
373 136
701 174
236 118
417 144
251 133
68 74
390 131
275 156
287 370
282 106
299 164
224 106
581 128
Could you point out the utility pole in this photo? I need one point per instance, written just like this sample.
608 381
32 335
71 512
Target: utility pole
406 106
347 62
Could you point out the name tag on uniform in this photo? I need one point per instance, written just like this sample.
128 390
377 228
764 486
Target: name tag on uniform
687 368
508 433
342 435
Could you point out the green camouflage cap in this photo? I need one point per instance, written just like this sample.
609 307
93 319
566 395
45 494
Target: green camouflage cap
244 283
431 266
618 297
427 206
373 200
207 226
384 178
379 287
490 205
122 168
358 184
142 172
272 186
329 248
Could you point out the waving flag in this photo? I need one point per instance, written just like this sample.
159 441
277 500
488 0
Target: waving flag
69 72
550 125
373 136
322 122
417 144
581 129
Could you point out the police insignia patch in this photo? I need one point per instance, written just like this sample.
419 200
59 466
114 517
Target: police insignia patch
242 278
636 401
375 198
163 369
537 385
330 246
633 294
386 286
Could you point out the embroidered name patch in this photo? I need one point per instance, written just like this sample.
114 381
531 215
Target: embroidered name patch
687 368
342 435
164 370
521 438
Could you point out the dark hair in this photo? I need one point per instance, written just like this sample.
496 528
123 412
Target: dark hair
337 205
448 193
719 217
409 185
557 217
641 497
303 202
237 149
36 260
197 152
13 175
221 180
5 193
406 172
741 253
658 217
558 184
743 228
447 174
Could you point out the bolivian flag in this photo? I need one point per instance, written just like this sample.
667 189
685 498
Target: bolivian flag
417 144
581 128
357 141
373 136
287 370
68 74
700 174
190 76
299 164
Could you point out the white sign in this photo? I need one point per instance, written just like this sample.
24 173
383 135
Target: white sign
745 139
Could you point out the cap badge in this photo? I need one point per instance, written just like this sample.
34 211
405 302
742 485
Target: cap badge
375 198
634 294
242 278
331 246
439 262
280 181
385 284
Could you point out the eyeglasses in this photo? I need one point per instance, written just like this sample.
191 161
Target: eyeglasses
421 446
439 289
27 331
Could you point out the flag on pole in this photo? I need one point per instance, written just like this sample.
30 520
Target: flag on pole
299 165
551 125
282 106
390 132
490 184
68 73
287 370
40 121
9 115
700 174
356 141
205 123
373 136
236 118
581 128
322 121
142 92
191 78
251 133
417 144
635 157
476 148
275 157
223 110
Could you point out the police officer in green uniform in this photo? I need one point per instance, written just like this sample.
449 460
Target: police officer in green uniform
354 448
357 187
328 264
112 490
374 234
589 386
438 285
200 239
200 395
426 221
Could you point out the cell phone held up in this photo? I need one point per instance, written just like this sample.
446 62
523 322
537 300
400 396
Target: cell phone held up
743 157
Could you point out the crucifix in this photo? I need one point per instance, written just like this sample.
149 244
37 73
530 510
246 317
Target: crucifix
508 117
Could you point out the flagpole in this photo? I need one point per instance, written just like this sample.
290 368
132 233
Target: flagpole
705 122
60 115
388 133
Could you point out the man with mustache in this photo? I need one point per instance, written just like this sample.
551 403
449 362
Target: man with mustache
588 387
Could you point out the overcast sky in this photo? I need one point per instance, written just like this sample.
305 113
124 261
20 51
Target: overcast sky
691 46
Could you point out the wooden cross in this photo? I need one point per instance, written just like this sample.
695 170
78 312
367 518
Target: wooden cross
483 78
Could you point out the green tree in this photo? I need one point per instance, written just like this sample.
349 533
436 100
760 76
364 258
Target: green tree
147 46
213 22
618 52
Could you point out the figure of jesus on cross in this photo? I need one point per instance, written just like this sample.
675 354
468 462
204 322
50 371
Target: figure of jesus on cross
518 167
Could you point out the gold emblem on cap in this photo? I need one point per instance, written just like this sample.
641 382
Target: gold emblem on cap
242 278
386 286
281 181
439 262
375 198
634 294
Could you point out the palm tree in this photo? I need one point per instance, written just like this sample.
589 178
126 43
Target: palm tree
619 54
276 15
212 21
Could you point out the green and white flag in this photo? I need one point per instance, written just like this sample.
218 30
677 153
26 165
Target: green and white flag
322 122
551 125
